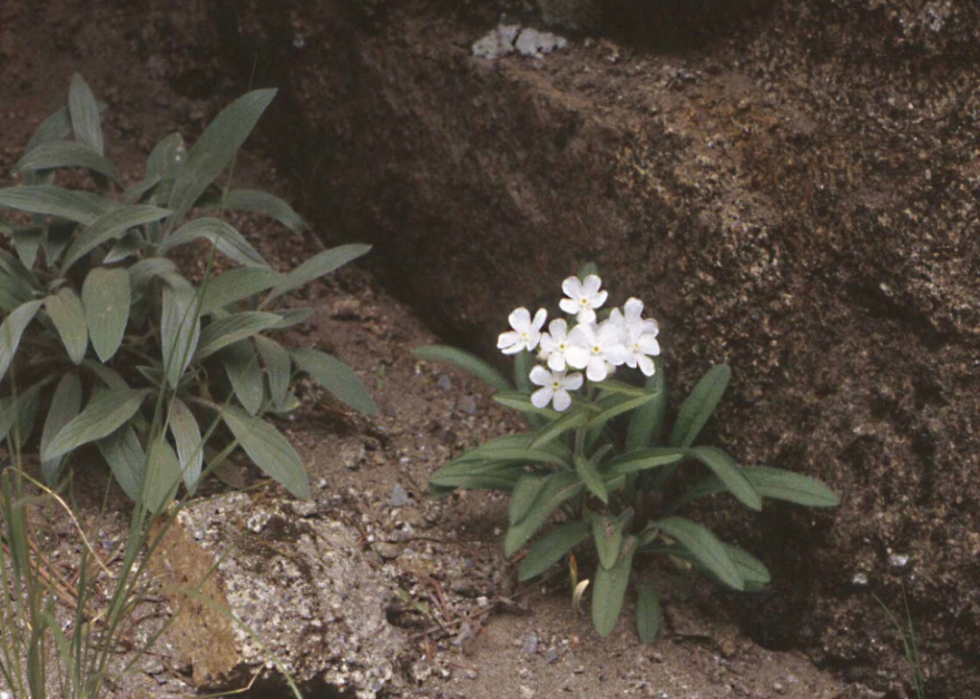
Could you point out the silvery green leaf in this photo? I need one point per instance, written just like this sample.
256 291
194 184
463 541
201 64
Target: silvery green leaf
469 363
229 242
522 402
729 473
127 246
84 111
551 547
166 158
216 147
235 285
478 475
68 316
126 458
110 226
136 192
643 459
648 614
610 589
19 412
269 450
571 420
162 475
57 238
228 330
558 488
646 423
55 128
52 201
106 297
704 547
180 329
699 406
278 368
317 266
243 371
58 154
142 272
21 275
11 331
591 478
293 316
753 571
335 376
615 405
65 404
109 377
26 242
608 532
523 496
101 417
187 438
256 201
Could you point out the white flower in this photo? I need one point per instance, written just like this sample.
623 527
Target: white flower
525 334
595 349
638 334
630 318
554 387
554 345
583 297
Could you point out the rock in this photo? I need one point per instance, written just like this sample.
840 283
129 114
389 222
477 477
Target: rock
399 497
300 584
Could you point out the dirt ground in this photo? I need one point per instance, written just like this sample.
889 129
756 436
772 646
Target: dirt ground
896 431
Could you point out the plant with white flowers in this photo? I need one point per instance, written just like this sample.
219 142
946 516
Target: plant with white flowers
594 460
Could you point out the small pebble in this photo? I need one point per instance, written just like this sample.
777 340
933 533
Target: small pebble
530 645
551 656
444 382
399 497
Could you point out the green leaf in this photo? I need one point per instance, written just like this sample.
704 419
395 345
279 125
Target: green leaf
753 571
11 331
610 589
646 424
525 491
180 329
55 128
644 459
216 148
278 368
237 284
229 242
127 246
336 377
705 547
65 404
779 484
110 226
109 377
591 478
187 438
57 154
551 547
696 410
49 200
166 158
106 296
522 402
293 316
103 415
125 456
142 272
469 363
648 613
317 266
608 532
478 475
84 111
68 316
571 420
729 472
623 389
269 450
522 372
228 330
558 488
19 412
242 367
26 242
263 203
135 193
617 407
162 475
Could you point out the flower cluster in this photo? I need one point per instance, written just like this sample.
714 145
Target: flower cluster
625 337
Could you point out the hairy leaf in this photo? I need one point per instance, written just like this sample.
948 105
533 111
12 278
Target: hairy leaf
336 377
237 284
644 459
558 488
469 363
229 242
49 200
610 589
278 367
317 266
705 547
57 154
162 477
84 111
269 450
11 331
242 368
68 316
259 202
647 422
699 406
591 478
65 404
729 472
103 415
125 456
228 330
551 547
180 329
648 614
110 226
106 296
187 438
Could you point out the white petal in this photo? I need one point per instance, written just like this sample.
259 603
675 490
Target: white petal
542 397
533 337
597 370
608 334
556 361
646 366
559 329
650 326
539 318
648 345
540 376
572 287
562 401
616 318
631 360
577 357
548 345
569 306
572 382
633 308
591 285
599 299
519 319
615 354
507 340
582 335
586 316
